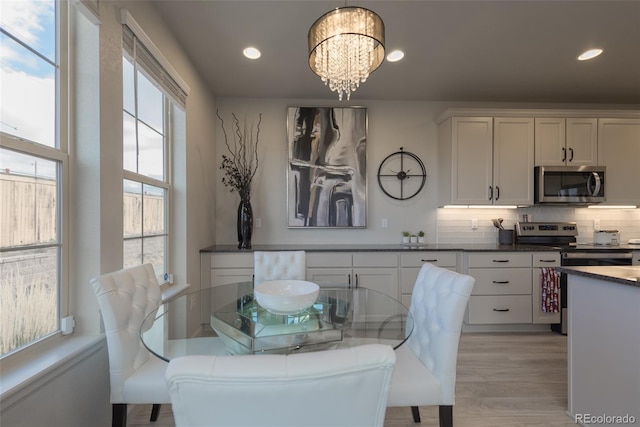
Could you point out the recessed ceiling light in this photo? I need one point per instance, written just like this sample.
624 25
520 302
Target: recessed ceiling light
590 54
396 55
251 53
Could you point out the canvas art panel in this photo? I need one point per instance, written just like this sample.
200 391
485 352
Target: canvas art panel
327 168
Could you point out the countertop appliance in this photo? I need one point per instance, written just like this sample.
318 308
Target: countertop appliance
563 236
569 185
606 237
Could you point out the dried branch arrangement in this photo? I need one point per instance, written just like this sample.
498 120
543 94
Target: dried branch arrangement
241 164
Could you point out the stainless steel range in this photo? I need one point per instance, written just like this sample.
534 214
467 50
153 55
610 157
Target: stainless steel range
563 236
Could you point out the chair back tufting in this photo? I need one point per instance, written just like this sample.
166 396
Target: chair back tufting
125 298
278 265
343 387
438 304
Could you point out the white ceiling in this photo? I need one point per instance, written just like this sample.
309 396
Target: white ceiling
485 51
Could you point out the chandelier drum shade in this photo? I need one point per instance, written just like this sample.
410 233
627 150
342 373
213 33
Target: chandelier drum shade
345 46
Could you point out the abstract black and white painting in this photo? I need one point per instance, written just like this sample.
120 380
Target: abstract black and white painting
327 170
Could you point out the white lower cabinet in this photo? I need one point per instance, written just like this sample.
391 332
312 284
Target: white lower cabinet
225 268
502 292
373 270
508 287
412 262
488 309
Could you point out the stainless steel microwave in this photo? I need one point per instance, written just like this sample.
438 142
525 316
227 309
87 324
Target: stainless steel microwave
566 185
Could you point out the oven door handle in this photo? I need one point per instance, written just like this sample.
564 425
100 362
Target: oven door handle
597 255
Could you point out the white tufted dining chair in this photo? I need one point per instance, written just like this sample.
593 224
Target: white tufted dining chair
344 387
425 373
125 298
274 265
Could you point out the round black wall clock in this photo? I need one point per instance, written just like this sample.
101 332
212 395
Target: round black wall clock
402 175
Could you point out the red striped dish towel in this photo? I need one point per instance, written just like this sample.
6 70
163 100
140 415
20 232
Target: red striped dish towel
550 284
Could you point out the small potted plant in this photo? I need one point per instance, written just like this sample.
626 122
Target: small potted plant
405 237
421 238
414 238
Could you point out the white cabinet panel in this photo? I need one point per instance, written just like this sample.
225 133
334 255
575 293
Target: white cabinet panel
383 280
439 258
619 152
329 259
502 292
486 161
513 140
330 277
375 259
499 259
502 281
485 309
566 141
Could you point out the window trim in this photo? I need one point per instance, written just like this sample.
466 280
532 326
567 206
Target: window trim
167 183
59 153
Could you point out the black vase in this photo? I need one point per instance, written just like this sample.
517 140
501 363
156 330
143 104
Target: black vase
245 224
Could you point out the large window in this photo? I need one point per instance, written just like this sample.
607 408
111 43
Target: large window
33 159
146 148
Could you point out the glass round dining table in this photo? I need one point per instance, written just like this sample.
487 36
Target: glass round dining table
227 319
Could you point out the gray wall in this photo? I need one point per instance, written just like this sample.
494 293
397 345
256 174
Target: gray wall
391 125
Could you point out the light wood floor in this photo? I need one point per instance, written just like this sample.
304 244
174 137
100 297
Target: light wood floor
503 380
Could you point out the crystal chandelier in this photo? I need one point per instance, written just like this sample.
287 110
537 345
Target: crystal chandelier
345 46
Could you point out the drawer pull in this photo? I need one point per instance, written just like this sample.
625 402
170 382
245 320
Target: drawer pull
501 309
429 260
501 281
548 260
500 260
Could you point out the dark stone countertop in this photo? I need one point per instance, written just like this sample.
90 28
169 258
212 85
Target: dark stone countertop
625 275
461 247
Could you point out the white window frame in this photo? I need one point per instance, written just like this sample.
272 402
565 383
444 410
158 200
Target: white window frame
175 91
60 154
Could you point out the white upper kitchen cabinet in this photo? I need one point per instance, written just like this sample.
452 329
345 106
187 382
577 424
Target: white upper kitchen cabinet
619 151
486 161
566 142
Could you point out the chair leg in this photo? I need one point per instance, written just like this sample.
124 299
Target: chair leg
119 415
155 410
446 416
415 411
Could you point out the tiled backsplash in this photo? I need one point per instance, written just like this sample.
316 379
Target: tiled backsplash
454 225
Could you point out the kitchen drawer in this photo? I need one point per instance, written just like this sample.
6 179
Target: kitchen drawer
222 260
332 259
375 259
549 259
499 259
441 259
501 281
484 309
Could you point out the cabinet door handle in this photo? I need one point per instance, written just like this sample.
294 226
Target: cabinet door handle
497 192
357 281
429 260
490 193
571 154
564 154
501 309
500 260
501 281
349 280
